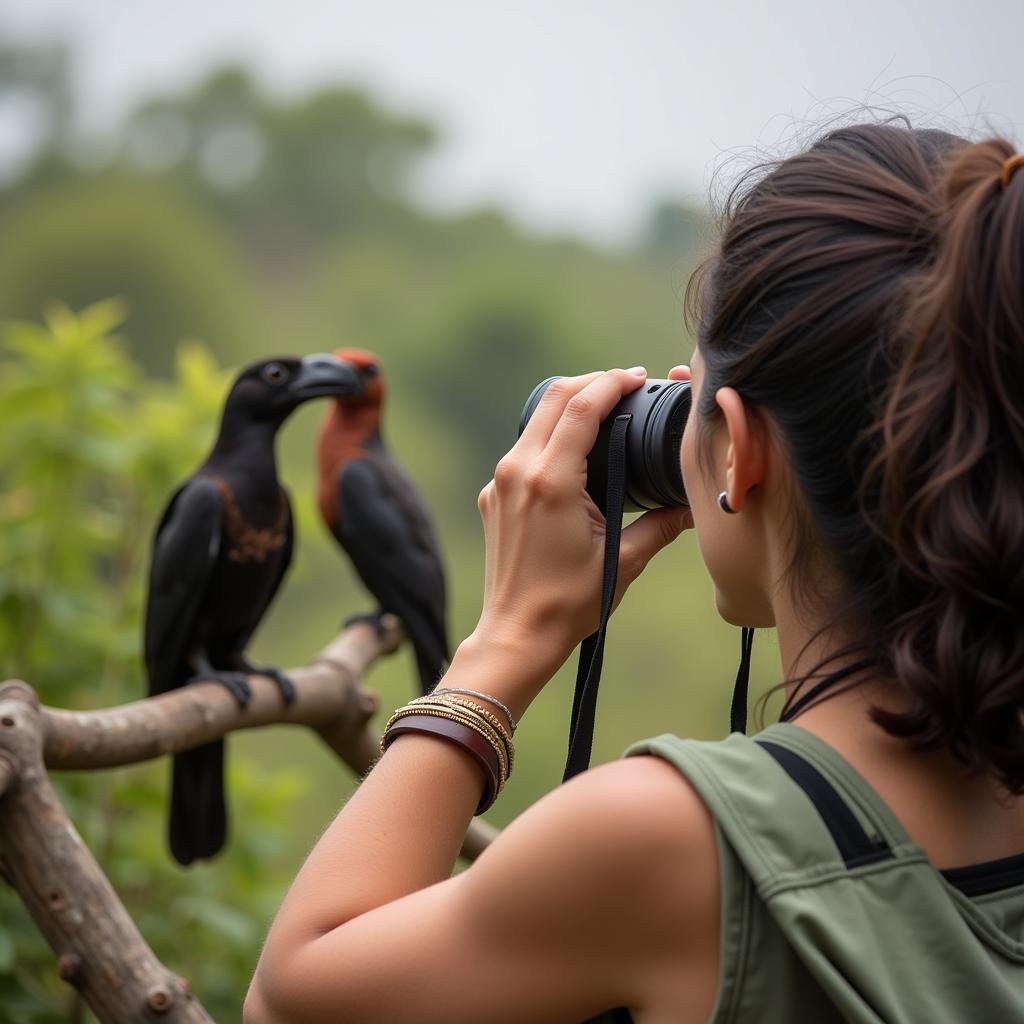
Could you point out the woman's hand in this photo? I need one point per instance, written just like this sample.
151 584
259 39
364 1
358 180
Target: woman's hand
544 536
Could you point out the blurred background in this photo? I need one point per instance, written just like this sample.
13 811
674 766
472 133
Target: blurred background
484 194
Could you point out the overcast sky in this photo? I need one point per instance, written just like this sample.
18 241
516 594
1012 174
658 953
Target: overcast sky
572 114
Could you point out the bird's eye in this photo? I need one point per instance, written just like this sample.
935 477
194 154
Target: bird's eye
370 371
274 373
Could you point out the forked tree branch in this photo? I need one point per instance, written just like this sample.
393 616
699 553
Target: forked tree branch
99 949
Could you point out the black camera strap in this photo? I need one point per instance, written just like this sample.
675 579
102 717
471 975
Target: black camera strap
588 673
738 710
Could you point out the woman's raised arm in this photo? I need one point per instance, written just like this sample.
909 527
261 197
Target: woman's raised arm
604 893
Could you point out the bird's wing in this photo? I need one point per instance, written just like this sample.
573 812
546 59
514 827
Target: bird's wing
185 551
386 532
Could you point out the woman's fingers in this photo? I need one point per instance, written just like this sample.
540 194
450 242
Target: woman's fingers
576 430
680 373
646 536
549 410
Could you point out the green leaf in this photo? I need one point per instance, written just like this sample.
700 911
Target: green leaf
101 318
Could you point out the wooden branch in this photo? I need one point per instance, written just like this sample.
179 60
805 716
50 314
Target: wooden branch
6 774
99 949
331 700
329 692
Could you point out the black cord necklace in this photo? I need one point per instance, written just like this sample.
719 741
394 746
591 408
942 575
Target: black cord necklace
792 710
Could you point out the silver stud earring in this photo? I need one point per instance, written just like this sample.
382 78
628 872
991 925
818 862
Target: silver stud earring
723 501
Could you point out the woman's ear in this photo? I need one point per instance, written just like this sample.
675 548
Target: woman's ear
746 452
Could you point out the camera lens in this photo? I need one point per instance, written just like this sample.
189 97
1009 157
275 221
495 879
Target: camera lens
533 401
663 438
653 475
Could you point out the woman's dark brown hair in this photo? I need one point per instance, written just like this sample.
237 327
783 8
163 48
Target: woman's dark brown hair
868 295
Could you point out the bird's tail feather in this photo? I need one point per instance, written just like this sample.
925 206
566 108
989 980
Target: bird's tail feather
198 819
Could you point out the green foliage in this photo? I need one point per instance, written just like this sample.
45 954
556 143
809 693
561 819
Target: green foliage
92 449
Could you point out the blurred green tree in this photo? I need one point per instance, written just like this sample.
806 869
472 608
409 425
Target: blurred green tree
674 229
180 272
500 337
286 174
37 80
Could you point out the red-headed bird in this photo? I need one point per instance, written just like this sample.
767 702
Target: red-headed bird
380 519
221 550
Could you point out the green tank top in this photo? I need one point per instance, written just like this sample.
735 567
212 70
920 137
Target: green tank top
829 911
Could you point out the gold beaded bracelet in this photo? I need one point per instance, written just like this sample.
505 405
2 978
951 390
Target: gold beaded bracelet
496 756
453 716
513 724
430 700
447 701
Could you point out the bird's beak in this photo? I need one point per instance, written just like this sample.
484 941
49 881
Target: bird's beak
323 376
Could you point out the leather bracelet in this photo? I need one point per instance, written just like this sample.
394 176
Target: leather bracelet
470 720
474 715
461 735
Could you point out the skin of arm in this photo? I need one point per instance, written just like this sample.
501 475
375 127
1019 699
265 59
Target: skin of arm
604 893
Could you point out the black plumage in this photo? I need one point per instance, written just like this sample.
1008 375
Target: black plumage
379 517
220 552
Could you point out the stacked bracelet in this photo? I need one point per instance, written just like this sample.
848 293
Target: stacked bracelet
465 723
456 713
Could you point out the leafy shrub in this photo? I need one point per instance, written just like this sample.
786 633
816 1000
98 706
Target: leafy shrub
91 450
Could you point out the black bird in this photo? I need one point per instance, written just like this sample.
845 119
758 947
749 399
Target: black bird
379 517
221 549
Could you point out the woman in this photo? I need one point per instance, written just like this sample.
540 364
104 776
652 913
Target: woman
855 468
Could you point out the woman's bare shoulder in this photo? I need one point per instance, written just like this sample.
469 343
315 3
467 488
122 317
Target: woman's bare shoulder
636 810
649 820
629 849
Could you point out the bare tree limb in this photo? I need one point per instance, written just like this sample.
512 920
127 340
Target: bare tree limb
330 699
99 949
6 774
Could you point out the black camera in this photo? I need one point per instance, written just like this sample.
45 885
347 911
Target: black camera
654 477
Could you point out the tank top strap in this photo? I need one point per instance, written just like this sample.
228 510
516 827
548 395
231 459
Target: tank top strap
844 781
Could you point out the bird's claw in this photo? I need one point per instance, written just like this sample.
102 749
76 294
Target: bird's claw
374 619
284 684
235 683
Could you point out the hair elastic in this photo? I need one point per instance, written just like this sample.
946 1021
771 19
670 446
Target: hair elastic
1009 166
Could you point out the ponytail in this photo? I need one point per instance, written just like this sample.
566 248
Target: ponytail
868 296
948 476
